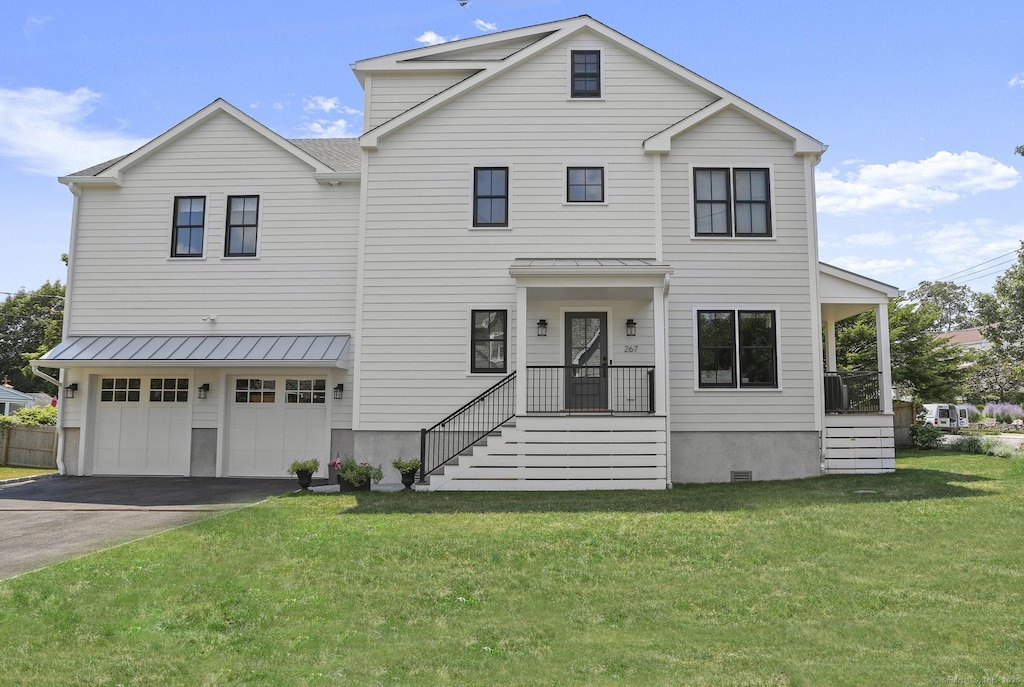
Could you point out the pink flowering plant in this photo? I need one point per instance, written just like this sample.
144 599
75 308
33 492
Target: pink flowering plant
357 474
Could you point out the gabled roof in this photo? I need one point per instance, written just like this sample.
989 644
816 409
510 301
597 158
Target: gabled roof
439 58
332 160
9 395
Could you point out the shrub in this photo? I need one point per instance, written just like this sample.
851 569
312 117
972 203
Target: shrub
1004 412
994 447
967 444
975 416
925 436
37 415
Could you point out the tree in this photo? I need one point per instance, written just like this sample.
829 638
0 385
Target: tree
955 303
921 361
1002 311
993 376
30 324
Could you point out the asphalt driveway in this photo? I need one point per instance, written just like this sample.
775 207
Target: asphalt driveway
53 519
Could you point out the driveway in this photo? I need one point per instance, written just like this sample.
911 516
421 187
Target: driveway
53 519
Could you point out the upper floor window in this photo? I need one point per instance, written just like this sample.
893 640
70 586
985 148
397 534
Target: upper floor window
584 185
737 348
731 202
586 74
243 213
489 341
490 197
187 237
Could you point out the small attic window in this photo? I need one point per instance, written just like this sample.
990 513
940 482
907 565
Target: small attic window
585 77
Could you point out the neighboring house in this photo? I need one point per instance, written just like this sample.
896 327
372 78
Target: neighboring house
971 339
12 399
606 262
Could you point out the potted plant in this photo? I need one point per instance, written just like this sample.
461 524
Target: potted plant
357 476
304 469
407 468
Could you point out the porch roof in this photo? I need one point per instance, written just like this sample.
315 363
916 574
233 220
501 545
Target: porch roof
844 294
588 266
555 278
198 351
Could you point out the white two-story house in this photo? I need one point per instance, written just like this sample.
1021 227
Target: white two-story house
554 260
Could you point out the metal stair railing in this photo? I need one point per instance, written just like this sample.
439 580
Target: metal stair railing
440 444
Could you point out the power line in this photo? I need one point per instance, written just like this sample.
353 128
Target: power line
974 267
995 269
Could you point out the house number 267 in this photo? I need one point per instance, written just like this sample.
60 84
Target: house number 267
631 349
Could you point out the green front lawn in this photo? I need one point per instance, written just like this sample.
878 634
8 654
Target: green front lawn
7 472
915 578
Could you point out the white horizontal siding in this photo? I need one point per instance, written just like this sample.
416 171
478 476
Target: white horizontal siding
393 94
125 281
740 273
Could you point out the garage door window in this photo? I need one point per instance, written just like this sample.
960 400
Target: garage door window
305 390
168 390
120 389
255 390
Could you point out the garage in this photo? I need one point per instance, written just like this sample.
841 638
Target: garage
142 426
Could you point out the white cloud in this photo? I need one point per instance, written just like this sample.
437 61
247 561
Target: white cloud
873 267
33 23
45 130
278 106
432 38
875 238
328 128
957 246
319 103
904 185
1017 80
482 25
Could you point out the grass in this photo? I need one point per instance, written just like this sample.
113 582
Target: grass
7 472
914 578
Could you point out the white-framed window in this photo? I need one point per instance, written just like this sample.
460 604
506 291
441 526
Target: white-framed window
188 227
732 202
737 348
490 196
241 228
121 389
168 390
305 391
585 184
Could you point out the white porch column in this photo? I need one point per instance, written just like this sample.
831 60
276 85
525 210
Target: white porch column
521 337
830 345
884 356
660 352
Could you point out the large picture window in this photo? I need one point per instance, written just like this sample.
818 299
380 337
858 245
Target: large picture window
490 197
243 216
731 202
187 237
489 341
737 349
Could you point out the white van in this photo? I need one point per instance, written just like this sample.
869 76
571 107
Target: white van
963 415
941 415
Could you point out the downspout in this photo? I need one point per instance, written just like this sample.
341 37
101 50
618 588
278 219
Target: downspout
60 414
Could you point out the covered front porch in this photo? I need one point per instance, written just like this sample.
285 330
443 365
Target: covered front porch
585 407
857 421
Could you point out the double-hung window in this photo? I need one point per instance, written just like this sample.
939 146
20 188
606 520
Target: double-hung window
187 237
732 202
584 184
490 197
489 341
242 223
586 74
737 348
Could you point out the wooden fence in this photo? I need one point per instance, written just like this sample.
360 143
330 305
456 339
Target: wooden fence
903 419
30 447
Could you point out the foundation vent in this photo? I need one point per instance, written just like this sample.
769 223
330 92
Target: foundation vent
741 476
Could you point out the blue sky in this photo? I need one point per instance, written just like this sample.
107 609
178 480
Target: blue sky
920 103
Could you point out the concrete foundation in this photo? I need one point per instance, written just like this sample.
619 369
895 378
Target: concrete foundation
713 456
380 448
72 437
203 459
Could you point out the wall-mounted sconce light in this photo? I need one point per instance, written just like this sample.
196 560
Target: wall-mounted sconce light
71 389
630 327
204 390
339 391
542 327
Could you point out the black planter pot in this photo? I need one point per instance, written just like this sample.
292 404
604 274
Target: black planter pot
408 478
345 485
305 478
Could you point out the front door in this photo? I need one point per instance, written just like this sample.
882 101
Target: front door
586 361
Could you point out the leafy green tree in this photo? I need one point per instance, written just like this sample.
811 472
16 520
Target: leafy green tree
994 376
1002 311
955 303
30 324
921 361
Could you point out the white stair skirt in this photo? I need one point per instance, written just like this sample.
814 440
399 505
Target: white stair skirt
859 444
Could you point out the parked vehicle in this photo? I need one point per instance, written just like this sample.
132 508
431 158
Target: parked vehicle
941 415
963 415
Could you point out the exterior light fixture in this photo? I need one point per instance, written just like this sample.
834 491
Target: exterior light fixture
542 327
204 390
630 327
71 389
339 391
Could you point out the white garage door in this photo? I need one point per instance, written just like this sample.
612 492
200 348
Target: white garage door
273 421
143 426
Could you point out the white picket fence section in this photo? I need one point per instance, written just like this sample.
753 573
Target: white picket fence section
560 453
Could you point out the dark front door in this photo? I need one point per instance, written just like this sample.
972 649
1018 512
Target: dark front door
586 361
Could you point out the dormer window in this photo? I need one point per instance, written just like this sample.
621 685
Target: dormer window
586 74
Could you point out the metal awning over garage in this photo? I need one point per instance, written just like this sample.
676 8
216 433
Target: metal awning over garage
200 351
